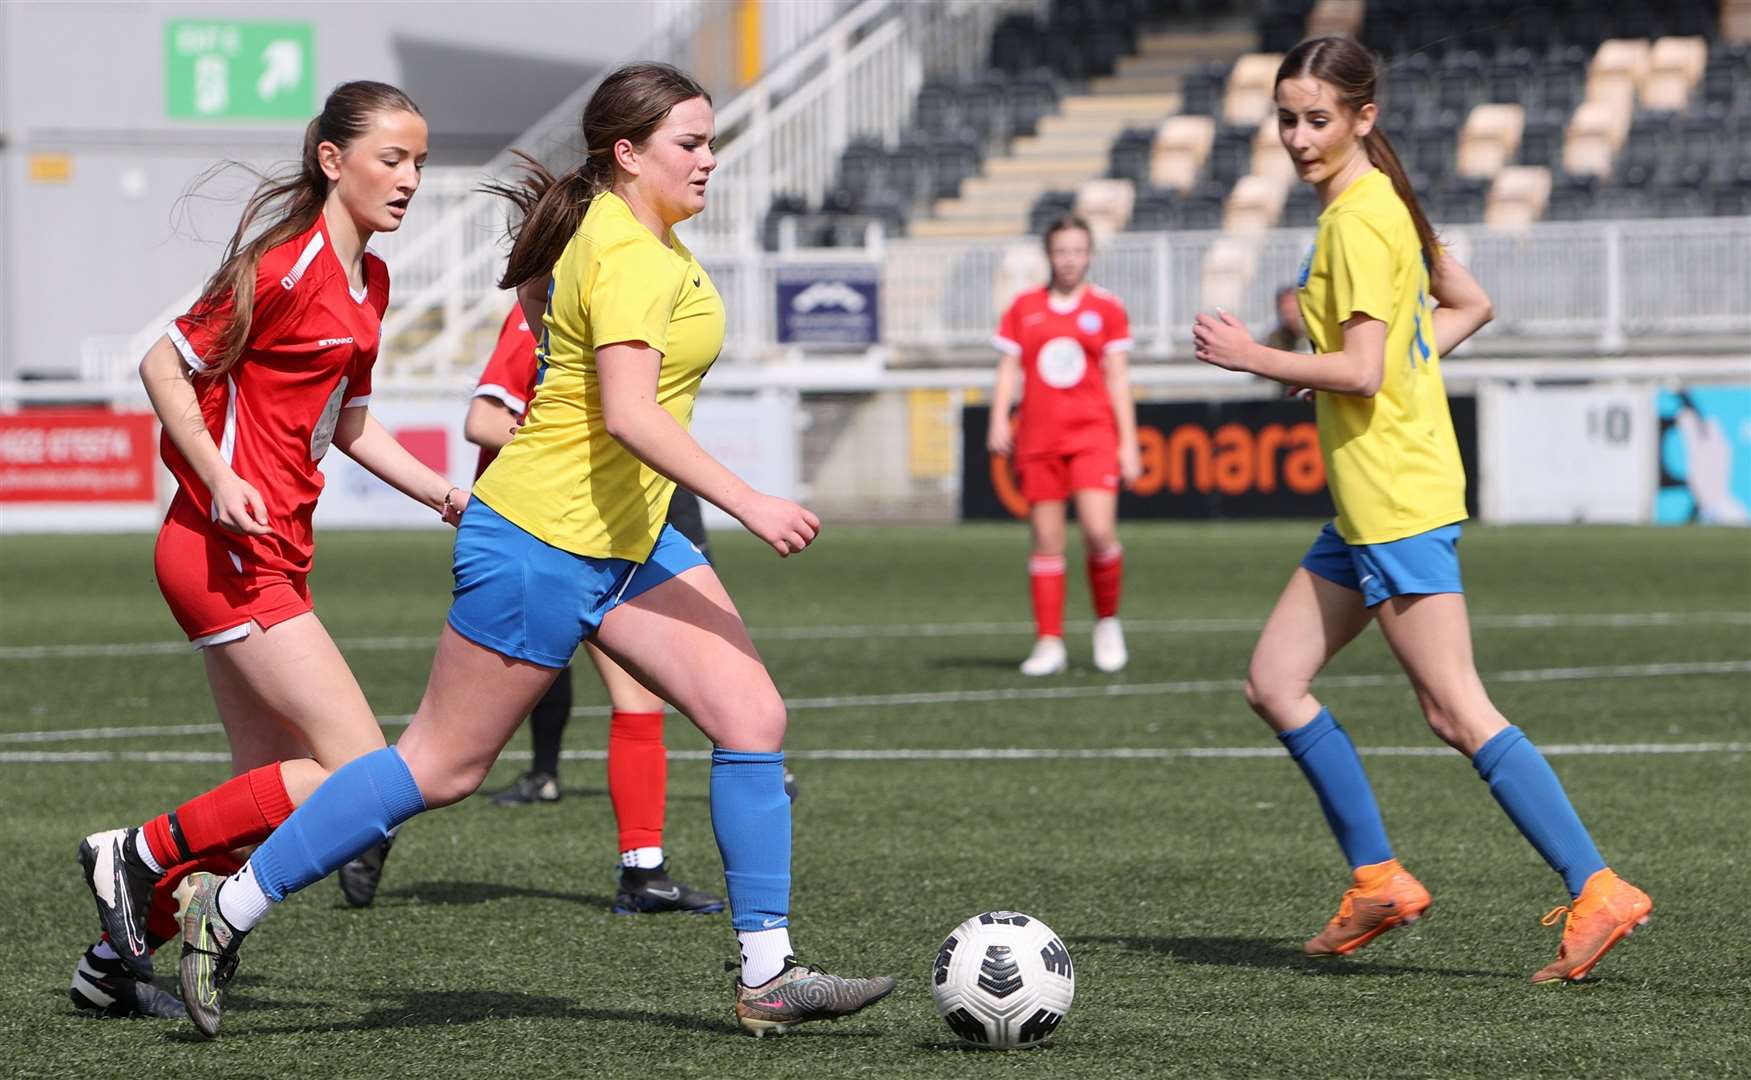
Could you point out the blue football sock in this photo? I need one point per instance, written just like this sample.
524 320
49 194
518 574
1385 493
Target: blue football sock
1522 781
750 813
1327 757
352 810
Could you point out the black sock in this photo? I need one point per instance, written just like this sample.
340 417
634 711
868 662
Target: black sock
547 723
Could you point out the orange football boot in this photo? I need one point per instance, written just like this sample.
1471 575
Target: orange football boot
1385 896
1607 911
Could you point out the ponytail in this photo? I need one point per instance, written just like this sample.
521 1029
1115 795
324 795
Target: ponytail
630 104
1348 69
288 204
1385 158
549 210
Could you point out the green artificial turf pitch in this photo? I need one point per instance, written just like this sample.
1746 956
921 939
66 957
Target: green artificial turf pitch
1182 884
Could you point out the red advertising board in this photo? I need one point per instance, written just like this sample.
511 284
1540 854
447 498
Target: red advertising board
77 456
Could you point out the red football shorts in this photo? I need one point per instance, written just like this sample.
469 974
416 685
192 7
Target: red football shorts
214 594
1052 477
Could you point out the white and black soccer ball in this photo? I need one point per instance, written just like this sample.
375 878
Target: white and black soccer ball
1003 980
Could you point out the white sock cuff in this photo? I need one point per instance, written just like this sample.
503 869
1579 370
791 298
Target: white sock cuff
241 901
763 954
145 852
644 858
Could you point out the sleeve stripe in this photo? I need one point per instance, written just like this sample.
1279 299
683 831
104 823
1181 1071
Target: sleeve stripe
1123 344
1006 346
356 403
189 356
502 396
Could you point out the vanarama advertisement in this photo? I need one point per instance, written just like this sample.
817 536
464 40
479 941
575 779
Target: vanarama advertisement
1230 459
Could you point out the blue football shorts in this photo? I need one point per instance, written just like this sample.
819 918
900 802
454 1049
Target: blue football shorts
1419 565
524 598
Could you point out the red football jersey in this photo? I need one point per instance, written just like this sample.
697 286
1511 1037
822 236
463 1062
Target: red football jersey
1064 401
509 377
311 346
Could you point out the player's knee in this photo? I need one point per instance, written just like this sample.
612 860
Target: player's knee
1270 696
1100 541
758 726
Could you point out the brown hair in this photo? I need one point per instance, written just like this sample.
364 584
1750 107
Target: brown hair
285 205
1348 68
1060 224
631 104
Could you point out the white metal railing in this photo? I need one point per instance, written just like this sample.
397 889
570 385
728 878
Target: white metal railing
855 76
1595 283
436 263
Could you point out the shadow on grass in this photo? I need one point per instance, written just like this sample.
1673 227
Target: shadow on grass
976 663
484 892
448 1008
1273 954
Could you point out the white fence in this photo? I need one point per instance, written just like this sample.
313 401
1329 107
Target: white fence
1596 283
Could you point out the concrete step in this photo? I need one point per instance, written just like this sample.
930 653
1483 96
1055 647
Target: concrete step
1159 64
971 228
1211 44
1136 84
1002 187
1077 127
1080 142
1058 172
1125 107
1013 203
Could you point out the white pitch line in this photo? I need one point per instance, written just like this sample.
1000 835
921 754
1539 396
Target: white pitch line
1007 693
1535 621
1117 753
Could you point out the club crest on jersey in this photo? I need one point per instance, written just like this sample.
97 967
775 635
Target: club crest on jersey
323 435
1089 322
1306 270
1062 362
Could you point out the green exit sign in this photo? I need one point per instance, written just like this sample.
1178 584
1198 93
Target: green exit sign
239 70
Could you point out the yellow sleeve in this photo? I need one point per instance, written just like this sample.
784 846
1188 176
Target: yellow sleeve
1361 270
632 294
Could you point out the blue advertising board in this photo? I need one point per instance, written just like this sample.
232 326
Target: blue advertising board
829 304
1705 456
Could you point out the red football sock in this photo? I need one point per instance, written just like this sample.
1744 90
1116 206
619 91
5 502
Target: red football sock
1046 580
638 777
241 811
161 922
1106 575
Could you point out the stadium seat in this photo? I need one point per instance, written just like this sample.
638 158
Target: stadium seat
1490 139
1181 146
1156 209
1105 204
1675 66
1255 204
1250 96
1130 157
1518 196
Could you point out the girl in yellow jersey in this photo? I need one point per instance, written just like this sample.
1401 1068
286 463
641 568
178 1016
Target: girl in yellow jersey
1392 553
565 540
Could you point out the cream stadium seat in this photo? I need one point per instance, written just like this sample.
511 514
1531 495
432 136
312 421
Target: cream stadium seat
1182 145
1674 67
1489 139
1105 204
1517 197
1255 204
1251 89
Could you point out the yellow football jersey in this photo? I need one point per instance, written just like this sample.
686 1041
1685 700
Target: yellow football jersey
563 478
1392 461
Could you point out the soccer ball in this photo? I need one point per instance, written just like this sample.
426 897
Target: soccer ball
1003 980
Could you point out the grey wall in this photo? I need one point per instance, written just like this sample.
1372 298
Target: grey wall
100 254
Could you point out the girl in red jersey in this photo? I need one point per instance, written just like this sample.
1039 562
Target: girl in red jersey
1067 347
270 368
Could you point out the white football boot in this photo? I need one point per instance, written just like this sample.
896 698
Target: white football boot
1048 658
1109 644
